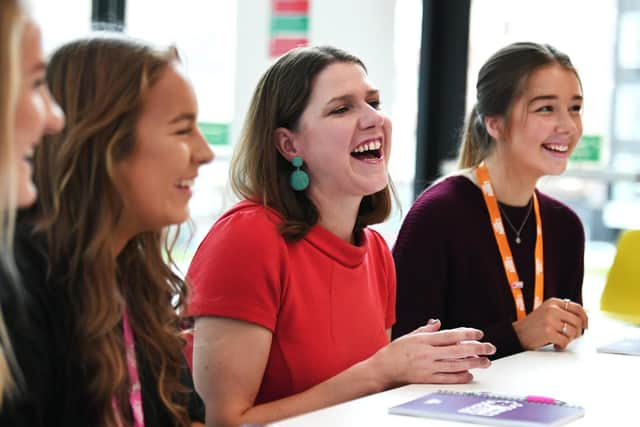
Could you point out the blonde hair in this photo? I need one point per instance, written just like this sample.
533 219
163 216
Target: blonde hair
101 83
12 23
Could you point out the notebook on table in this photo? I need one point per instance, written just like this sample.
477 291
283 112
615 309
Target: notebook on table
490 409
629 346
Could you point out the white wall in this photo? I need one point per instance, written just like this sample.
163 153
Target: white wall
362 27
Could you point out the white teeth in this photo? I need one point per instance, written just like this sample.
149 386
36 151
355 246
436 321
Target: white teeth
561 148
374 145
186 183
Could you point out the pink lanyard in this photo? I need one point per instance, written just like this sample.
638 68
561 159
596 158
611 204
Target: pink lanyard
135 392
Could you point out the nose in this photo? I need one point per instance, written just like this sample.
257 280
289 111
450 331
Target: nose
569 122
54 121
202 153
371 117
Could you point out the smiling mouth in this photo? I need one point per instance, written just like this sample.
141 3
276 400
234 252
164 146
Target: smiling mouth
368 150
556 148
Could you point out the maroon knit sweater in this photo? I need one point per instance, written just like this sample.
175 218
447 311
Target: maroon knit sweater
449 266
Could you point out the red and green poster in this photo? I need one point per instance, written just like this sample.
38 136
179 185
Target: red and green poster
289 25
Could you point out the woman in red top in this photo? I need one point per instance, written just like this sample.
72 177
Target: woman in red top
293 294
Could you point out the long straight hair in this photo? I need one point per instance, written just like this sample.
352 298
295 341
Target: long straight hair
102 83
260 173
12 22
501 81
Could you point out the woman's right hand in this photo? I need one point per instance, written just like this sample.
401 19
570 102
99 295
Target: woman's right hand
428 355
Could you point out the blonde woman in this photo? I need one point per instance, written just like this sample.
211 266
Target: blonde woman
27 112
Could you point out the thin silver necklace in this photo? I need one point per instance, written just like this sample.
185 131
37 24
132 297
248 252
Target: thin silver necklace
524 221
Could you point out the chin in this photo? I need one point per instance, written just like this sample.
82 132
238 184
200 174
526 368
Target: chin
27 196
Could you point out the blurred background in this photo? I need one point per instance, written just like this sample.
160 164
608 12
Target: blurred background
424 57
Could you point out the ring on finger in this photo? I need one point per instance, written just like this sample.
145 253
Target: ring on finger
566 304
564 328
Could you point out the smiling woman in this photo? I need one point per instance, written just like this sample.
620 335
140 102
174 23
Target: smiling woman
471 249
312 293
93 247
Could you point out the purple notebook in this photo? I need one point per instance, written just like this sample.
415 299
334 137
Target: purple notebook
490 409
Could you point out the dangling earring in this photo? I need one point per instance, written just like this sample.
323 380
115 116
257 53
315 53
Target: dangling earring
299 180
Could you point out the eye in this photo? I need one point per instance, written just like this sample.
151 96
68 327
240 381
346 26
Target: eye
186 131
340 110
545 109
576 108
375 103
39 82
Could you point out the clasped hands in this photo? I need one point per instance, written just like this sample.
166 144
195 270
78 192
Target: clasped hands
556 321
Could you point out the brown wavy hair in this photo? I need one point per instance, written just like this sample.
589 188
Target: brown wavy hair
259 172
501 81
13 19
101 83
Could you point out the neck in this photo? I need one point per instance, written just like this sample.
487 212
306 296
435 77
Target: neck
337 217
510 185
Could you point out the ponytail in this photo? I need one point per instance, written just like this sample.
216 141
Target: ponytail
476 141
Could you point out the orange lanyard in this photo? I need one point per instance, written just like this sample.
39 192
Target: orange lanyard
505 251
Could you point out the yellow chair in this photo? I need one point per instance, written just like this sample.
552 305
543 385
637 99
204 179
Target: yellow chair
621 295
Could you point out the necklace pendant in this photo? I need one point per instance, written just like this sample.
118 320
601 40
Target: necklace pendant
518 240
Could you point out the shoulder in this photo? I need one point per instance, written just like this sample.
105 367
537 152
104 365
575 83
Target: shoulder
247 223
449 191
377 243
248 231
443 202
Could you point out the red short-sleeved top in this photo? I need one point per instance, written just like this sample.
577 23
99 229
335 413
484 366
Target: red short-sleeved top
328 303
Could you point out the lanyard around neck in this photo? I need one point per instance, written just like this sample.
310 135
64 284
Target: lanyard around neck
135 390
508 262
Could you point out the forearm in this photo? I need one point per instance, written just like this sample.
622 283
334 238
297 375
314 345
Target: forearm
359 380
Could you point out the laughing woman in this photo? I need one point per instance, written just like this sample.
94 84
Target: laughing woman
484 247
293 293
95 244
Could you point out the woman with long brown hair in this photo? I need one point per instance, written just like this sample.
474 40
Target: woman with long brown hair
27 112
293 293
119 173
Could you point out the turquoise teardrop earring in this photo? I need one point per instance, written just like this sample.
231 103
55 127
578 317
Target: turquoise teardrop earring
299 180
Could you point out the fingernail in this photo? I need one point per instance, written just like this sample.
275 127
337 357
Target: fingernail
433 321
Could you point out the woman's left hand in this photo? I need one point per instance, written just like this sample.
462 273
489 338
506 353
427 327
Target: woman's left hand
557 321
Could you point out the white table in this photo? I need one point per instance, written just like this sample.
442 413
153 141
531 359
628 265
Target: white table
606 385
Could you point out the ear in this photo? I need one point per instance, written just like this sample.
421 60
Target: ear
495 127
286 143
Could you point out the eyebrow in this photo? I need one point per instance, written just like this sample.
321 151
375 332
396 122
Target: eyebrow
183 116
349 97
552 98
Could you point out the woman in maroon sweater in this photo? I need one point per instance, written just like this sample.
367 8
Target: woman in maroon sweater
468 251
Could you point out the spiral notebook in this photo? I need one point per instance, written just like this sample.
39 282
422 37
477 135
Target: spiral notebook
490 409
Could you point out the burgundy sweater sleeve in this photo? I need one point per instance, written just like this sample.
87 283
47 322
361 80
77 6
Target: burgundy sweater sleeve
442 269
420 255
